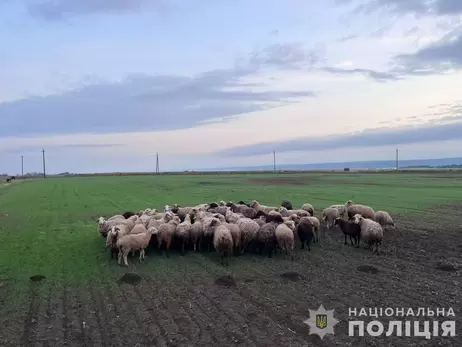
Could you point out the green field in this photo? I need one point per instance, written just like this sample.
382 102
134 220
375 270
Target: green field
48 226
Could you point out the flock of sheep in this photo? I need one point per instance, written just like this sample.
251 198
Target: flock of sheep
237 228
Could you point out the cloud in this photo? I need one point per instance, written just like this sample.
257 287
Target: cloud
367 138
58 148
375 75
438 57
54 10
347 38
421 7
146 103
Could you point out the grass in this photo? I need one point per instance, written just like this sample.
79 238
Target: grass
48 226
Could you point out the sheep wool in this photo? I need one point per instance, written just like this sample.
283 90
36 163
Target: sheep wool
222 240
285 237
165 233
249 230
371 232
305 232
183 231
363 210
329 215
134 242
384 219
266 209
308 208
267 237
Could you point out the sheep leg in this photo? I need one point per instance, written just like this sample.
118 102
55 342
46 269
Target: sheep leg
119 256
141 255
345 239
303 244
125 259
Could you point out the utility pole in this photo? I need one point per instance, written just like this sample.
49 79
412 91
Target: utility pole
397 166
43 160
157 162
274 161
22 165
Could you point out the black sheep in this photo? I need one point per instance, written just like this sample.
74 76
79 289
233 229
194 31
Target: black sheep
305 232
349 228
213 205
286 204
128 214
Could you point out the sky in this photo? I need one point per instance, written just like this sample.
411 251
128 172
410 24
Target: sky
104 85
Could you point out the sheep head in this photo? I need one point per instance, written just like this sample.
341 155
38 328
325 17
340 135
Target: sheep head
222 203
254 204
152 230
358 219
282 209
290 224
349 203
187 218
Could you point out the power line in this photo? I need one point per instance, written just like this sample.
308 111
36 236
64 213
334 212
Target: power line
397 159
157 162
43 160
274 161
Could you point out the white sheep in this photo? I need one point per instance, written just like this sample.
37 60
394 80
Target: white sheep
285 237
287 213
371 232
183 231
165 233
134 242
316 227
384 219
308 208
266 209
329 215
222 240
236 234
363 210
249 230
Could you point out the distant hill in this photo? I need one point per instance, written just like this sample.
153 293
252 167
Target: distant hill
358 165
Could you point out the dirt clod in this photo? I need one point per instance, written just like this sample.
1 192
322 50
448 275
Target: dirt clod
368 268
130 278
225 281
37 278
446 267
293 276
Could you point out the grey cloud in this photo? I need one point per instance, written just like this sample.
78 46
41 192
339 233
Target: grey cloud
147 103
347 38
436 58
53 10
375 75
55 148
421 7
367 138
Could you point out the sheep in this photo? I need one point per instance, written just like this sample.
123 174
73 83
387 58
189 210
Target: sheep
328 216
196 234
111 242
295 218
222 240
260 221
208 227
349 228
384 219
165 233
371 232
117 216
256 205
232 217
341 209
128 214
305 232
153 222
105 225
249 230
286 213
220 209
213 205
287 204
285 237
236 234
316 227
138 229
183 231
222 203
267 237
134 242
243 203
308 208
363 210
270 217
247 211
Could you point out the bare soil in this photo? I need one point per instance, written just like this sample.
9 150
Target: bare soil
263 302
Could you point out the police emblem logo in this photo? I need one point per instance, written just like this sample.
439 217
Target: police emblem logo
321 322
